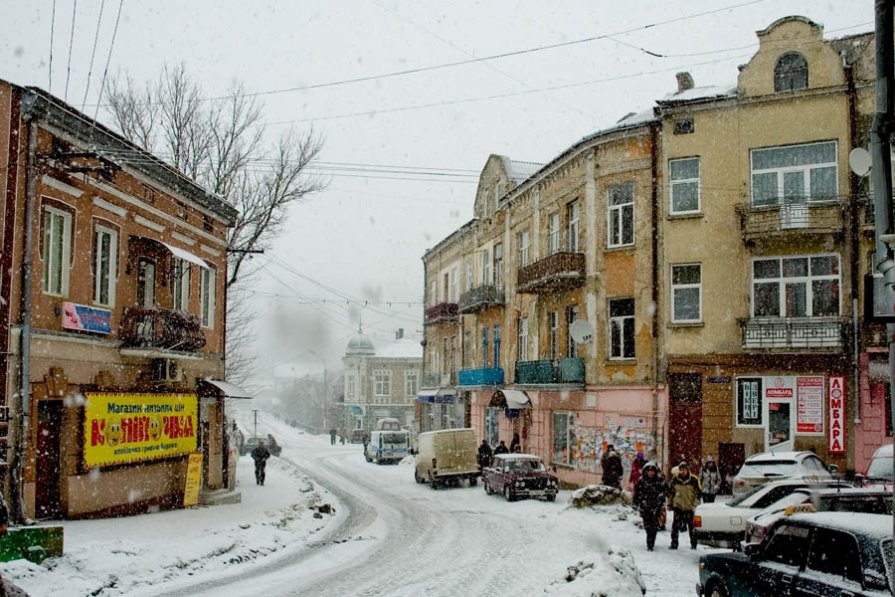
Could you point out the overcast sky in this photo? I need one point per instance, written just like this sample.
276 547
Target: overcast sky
363 238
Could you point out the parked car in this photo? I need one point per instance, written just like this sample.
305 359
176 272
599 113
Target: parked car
446 456
827 553
387 446
879 471
774 466
721 524
808 499
359 436
250 444
519 476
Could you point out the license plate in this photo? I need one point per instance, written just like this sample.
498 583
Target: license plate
537 492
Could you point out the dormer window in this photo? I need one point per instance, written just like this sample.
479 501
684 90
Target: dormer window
791 73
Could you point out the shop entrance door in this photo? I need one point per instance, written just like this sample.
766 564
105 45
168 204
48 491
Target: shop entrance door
780 426
48 473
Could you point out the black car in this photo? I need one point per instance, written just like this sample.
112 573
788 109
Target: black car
272 445
825 553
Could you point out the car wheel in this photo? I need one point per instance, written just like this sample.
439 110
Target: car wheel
433 482
717 589
487 487
508 494
473 481
417 478
551 498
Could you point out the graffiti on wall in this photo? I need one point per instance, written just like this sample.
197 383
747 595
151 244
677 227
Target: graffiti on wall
628 436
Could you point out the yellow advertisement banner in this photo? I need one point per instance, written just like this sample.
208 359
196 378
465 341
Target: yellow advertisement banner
121 428
193 480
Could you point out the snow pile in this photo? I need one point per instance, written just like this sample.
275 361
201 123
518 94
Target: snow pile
600 495
615 574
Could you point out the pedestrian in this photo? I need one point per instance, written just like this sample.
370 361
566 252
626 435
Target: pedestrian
260 454
612 468
683 497
485 455
332 437
636 469
501 448
649 499
515 444
710 480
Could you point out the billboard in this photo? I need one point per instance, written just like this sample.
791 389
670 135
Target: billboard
122 428
86 319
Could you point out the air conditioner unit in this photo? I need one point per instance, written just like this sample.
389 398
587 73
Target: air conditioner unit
167 370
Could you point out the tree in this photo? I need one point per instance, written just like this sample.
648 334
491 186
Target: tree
219 142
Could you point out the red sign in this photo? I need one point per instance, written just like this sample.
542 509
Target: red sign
836 443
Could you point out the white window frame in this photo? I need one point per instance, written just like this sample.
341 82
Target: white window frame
617 326
574 240
553 329
782 171
208 283
180 284
469 277
553 238
455 286
524 247
350 385
677 287
498 265
523 339
411 382
105 282
382 383
572 314
56 268
679 183
486 267
782 282
618 235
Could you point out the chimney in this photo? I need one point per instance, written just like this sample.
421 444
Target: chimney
684 81
399 334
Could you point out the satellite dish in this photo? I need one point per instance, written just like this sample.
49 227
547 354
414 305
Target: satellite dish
859 160
582 331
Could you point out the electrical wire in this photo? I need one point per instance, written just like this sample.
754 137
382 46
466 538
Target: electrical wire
102 86
52 37
71 43
99 21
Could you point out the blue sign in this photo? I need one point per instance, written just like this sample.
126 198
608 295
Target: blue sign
86 319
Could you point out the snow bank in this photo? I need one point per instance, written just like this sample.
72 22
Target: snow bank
615 574
599 495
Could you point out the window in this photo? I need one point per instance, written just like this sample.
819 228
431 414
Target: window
496 346
684 127
467 349
684 177
350 386
791 73
469 278
382 382
181 286
788 545
749 407
794 174
621 215
523 248
523 339
796 286
553 322
621 328
455 289
553 223
498 265
563 437
446 287
411 383
105 265
433 294
571 317
486 267
146 284
836 553
206 295
686 293
484 348
56 250
574 215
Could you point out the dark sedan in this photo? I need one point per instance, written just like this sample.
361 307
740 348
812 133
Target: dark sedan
826 553
519 476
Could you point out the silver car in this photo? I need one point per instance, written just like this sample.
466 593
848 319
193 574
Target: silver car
775 466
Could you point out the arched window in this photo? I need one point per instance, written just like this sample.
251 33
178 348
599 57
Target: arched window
791 73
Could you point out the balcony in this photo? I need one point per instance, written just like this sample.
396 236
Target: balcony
481 298
161 329
481 377
805 332
761 223
552 371
555 273
441 313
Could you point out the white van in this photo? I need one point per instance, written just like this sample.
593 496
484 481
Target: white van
387 446
446 456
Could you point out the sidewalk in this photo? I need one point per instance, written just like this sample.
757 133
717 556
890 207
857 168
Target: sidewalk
121 555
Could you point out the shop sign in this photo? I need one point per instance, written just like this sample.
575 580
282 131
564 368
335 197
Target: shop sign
193 479
836 443
810 405
86 319
121 428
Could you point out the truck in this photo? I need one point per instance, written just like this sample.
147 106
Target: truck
446 457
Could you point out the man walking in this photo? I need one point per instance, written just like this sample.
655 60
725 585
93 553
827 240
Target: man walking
260 454
485 455
683 494
649 498
332 437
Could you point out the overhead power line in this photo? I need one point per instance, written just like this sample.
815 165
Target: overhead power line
102 86
71 42
99 22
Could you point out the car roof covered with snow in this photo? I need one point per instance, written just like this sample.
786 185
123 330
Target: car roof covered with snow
777 456
874 525
516 457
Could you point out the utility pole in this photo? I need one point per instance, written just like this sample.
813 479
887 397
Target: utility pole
255 433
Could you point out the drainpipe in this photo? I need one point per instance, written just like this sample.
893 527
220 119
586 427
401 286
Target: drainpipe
654 168
24 401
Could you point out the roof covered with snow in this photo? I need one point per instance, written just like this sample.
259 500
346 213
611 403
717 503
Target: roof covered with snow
518 171
405 348
700 93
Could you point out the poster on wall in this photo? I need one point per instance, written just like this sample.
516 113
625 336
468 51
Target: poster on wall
810 405
836 443
121 428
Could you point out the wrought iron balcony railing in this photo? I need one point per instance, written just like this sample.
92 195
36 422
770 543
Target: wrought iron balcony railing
481 377
441 313
808 218
554 273
160 328
552 371
794 332
480 298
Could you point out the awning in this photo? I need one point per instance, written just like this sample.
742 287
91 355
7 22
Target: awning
437 396
228 389
514 399
185 255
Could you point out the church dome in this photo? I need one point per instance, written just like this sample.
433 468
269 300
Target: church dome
360 346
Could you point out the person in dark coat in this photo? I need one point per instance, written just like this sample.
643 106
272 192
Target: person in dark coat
260 454
636 469
515 444
684 494
485 454
501 448
332 437
612 468
649 499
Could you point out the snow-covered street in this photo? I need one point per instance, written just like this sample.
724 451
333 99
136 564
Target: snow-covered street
387 536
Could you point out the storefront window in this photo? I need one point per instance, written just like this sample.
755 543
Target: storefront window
563 437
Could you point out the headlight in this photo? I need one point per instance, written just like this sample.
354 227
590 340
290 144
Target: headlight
520 483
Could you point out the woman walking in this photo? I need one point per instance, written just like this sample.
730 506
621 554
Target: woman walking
649 499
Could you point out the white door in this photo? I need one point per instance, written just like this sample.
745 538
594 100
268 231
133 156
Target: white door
794 211
780 425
